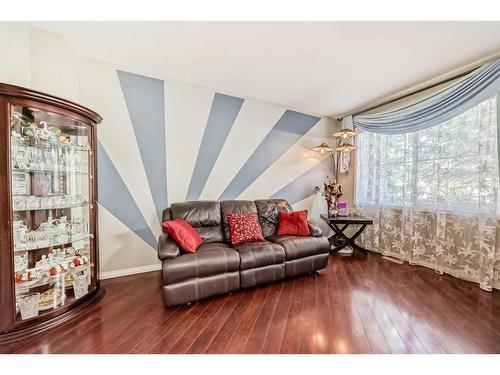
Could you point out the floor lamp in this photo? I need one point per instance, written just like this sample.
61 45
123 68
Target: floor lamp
342 146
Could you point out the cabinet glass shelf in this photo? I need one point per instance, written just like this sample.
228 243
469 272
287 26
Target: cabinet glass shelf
17 143
50 280
66 241
66 171
85 205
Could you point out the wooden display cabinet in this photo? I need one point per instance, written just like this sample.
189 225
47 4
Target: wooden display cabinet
49 264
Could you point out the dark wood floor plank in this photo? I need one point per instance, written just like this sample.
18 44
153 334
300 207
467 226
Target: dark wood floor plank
156 335
356 305
324 326
348 330
307 342
204 333
238 339
291 338
256 338
342 334
205 338
200 315
391 334
274 335
373 331
222 338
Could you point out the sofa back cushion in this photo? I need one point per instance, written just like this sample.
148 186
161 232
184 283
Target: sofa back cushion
204 217
268 210
234 207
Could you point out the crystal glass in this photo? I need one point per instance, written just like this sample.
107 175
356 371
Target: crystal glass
80 285
28 305
20 230
58 201
35 155
32 202
47 202
43 238
20 157
32 239
19 202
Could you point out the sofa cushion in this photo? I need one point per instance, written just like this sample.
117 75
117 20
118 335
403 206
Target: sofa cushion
244 228
294 223
259 254
183 234
234 207
268 210
203 216
300 246
210 259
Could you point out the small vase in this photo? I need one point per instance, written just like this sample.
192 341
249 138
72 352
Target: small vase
332 208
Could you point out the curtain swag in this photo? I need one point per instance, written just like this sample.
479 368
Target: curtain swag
444 105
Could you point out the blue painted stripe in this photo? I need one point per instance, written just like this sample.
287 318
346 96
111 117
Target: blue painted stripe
146 107
116 198
304 185
223 113
287 131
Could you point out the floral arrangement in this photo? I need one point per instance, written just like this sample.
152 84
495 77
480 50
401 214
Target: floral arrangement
332 191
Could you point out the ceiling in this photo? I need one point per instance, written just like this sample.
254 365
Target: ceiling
324 68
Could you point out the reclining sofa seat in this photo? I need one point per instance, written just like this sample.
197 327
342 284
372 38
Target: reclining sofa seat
217 267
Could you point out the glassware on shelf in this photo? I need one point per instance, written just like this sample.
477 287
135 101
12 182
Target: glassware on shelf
32 202
43 236
51 299
63 201
19 202
47 202
50 157
20 157
20 262
28 305
80 284
35 156
31 239
20 230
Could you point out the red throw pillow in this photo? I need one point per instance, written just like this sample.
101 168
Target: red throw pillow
294 223
244 228
184 234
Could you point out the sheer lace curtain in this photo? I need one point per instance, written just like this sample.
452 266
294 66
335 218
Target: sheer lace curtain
433 195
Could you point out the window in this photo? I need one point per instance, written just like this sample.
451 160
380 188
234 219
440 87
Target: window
451 166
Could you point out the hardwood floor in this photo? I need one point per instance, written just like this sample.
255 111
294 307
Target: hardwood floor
356 305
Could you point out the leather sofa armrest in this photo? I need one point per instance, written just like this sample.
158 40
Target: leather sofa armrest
167 247
315 230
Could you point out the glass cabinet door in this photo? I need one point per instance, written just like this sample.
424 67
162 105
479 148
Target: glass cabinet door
51 187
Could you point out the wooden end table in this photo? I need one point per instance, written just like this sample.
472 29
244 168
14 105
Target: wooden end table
340 240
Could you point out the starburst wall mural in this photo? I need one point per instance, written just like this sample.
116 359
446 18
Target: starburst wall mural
197 144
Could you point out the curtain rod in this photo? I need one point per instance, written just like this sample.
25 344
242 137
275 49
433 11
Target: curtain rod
415 89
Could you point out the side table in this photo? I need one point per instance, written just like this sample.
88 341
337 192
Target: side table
339 239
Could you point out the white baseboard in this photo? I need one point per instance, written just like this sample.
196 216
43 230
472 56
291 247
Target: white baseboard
129 271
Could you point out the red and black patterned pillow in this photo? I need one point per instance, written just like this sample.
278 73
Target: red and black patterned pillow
244 228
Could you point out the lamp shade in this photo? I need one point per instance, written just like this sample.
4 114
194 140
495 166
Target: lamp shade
322 148
346 147
344 133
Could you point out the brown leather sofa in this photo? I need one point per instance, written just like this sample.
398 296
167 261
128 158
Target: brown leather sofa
216 267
